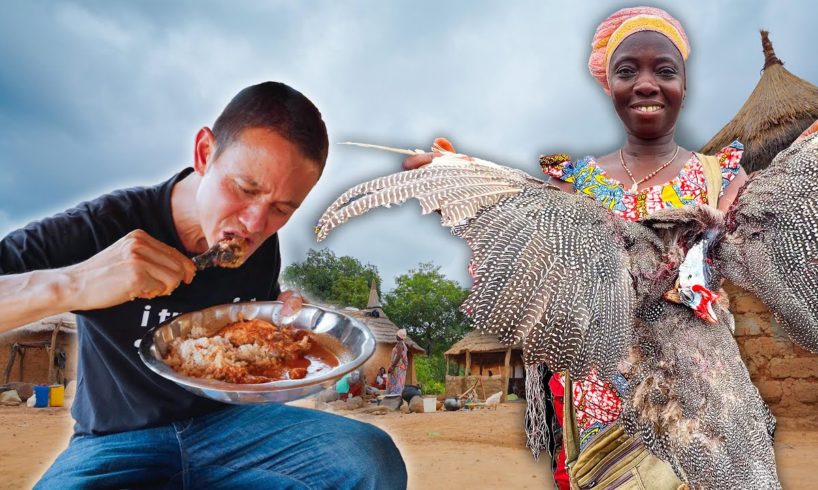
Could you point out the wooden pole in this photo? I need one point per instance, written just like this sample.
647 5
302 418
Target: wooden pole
468 364
52 352
22 360
411 367
506 375
12 354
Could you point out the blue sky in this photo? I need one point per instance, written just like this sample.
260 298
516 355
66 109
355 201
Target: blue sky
100 95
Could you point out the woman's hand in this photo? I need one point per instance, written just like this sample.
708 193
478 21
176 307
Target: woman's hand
293 301
416 161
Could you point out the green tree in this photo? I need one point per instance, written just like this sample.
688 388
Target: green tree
431 373
323 276
427 304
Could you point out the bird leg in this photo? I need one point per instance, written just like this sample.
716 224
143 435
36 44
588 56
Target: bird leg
228 252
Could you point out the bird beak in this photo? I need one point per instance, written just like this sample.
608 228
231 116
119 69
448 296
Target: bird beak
700 300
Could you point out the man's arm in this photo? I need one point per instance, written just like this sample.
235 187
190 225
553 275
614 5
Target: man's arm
135 266
28 297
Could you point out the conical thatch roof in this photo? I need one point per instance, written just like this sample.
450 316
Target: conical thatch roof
374 298
475 341
779 109
382 327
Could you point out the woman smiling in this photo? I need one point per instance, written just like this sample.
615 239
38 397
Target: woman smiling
639 59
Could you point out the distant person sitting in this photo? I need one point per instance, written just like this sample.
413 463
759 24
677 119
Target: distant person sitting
342 387
356 384
380 379
350 385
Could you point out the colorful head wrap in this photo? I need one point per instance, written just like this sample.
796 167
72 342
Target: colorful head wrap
621 24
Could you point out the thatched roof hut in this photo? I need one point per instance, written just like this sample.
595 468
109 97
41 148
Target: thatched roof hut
779 109
475 341
385 333
40 352
482 358
382 328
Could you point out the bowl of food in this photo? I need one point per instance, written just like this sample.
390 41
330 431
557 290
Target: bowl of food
249 353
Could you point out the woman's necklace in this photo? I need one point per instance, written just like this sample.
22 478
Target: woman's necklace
635 186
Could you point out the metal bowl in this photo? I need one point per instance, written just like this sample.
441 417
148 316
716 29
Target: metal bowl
349 339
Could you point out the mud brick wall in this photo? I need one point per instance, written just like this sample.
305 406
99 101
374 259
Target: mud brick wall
454 385
785 374
35 363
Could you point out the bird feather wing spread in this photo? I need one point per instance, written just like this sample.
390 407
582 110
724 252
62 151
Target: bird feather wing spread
550 268
771 246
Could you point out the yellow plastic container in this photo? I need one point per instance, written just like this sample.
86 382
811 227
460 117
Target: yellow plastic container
56 396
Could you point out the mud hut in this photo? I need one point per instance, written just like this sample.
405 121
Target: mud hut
43 352
385 333
483 359
780 107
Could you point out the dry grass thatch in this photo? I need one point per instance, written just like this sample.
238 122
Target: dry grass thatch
66 321
382 328
477 342
779 109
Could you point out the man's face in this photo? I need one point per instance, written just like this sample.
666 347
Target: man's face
253 187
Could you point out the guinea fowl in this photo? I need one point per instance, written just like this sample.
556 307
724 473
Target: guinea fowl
494 400
583 289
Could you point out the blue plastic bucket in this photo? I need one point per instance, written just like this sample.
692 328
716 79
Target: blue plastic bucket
41 394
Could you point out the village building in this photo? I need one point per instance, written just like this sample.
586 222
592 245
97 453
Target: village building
481 360
385 333
780 107
43 352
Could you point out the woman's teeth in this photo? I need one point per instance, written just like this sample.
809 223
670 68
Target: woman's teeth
648 108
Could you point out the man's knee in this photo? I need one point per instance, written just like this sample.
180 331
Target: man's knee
373 459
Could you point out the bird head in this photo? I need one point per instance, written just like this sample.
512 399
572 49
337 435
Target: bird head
694 274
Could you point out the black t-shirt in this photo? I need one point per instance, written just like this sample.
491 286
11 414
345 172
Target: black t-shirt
115 390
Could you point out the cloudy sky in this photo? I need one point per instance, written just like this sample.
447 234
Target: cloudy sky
97 95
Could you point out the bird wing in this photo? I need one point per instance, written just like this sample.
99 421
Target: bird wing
771 243
550 268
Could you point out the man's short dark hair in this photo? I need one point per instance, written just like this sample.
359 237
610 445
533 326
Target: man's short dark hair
279 108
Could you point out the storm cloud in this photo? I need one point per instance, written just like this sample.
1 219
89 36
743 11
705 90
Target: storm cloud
96 96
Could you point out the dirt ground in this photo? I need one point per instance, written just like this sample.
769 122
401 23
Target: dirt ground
478 449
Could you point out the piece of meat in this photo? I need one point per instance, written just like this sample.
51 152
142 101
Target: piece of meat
228 252
249 332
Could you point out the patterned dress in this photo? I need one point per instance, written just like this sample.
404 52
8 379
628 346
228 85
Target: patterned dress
399 362
596 402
